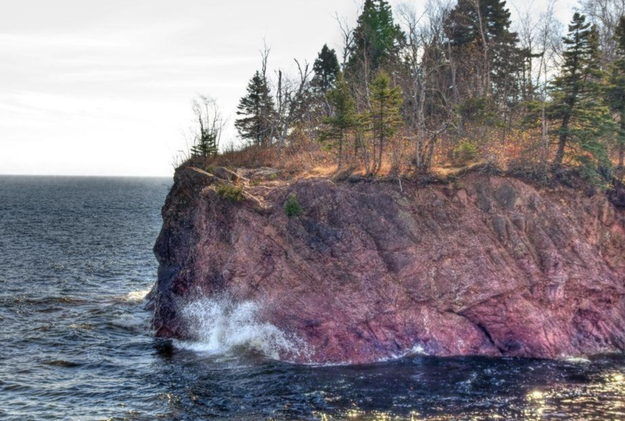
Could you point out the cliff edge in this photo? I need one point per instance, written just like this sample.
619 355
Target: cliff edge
483 265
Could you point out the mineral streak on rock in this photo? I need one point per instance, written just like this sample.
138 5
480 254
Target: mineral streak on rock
487 266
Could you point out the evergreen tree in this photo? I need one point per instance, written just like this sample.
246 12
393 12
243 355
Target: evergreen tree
377 41
326 68
205 145
257 112
480 36
616 92
468 23
385 114
577 102
344 118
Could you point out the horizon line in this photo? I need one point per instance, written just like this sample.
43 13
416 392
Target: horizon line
87 175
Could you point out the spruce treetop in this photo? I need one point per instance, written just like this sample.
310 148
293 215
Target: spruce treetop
466 22
326 68
256 110
377 38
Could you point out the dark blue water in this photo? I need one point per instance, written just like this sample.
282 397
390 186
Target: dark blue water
75 344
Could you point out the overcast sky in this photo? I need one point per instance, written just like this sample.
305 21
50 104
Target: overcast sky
104 87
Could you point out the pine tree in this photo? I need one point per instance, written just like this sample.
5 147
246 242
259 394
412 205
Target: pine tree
344 118
326 68
385 114
616 93
257 112
377 41
480 36
577 104
205 145
467 23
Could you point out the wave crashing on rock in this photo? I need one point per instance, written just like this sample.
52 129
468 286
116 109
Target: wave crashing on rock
221 326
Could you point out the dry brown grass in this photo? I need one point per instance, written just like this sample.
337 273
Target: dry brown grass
520 152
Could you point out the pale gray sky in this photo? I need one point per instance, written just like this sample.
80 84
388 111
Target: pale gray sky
104 87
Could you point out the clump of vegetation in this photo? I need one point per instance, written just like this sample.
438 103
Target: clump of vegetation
465 152
230 192
292 207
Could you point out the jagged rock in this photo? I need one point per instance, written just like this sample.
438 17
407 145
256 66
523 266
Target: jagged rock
368 272
226 174
260 174
617 194
190 181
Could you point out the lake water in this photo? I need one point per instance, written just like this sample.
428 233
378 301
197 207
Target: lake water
75 263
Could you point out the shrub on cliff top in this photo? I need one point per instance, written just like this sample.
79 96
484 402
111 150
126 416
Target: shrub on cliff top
232 193
292 206
465 152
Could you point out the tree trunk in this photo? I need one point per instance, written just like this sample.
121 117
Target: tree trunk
421 119
620 169
452 65
340 150
379 168
486 68
430 155
364 150
557 162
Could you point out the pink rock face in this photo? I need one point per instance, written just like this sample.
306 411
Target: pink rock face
486 266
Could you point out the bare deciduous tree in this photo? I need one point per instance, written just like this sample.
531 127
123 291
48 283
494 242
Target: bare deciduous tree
209 126
605 14
428 83
549 44
291 99
347 38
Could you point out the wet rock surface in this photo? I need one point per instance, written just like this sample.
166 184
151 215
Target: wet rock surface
487 266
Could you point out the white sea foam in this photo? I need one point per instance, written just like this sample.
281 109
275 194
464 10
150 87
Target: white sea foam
417 349
222 327
131 321
136 296
576 360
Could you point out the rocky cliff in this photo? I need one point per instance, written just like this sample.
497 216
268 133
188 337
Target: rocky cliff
483 265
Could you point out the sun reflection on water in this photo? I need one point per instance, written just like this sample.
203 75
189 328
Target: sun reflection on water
580 399
361 415
555 402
